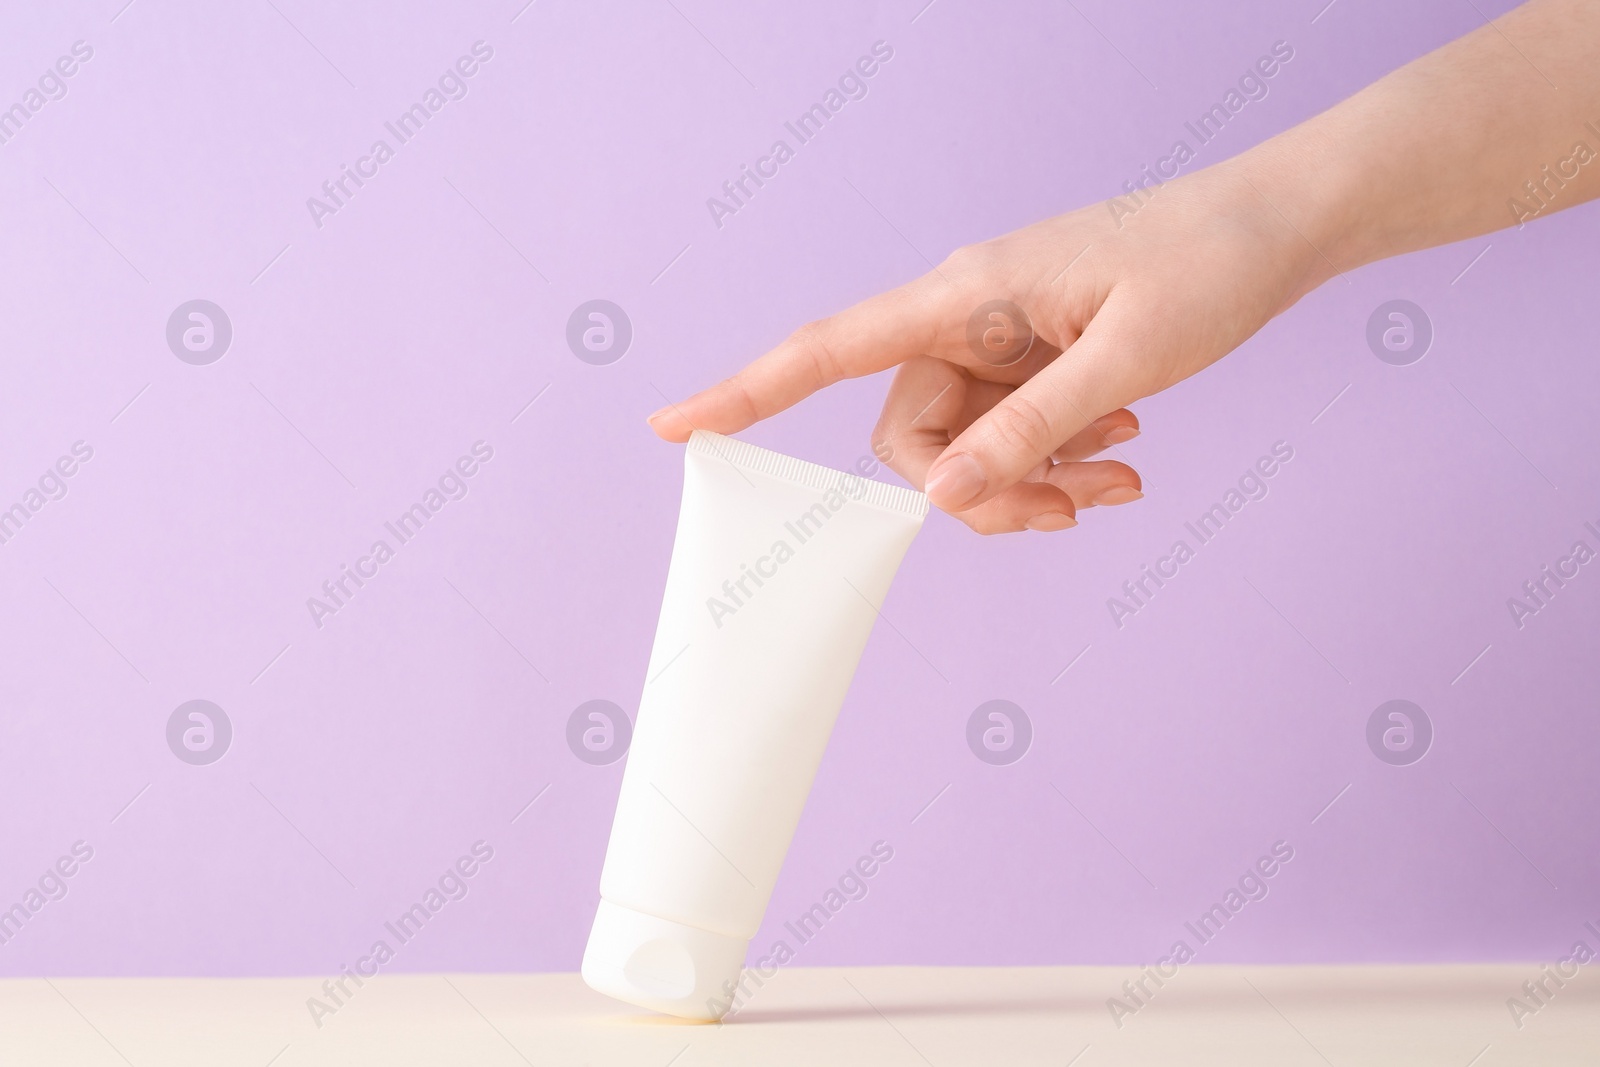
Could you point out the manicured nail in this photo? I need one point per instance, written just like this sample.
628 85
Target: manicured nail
1120 434
1118 494
1051 521
652 418
958 480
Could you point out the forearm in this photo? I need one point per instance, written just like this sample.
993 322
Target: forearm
1496 128
1126 306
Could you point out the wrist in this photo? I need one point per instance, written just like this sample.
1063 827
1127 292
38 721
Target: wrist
1319 186
1298 211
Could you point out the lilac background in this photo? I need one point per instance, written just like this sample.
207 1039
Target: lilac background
415 322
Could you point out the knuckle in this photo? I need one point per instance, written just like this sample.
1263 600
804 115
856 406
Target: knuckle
1022 428
813 340
736 388
969 262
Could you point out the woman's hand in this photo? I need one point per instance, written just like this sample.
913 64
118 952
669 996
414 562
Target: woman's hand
1018 357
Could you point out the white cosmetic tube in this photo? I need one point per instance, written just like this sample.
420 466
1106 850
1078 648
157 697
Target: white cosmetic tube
778 572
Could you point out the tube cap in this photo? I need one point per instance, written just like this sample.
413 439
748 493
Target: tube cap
660 964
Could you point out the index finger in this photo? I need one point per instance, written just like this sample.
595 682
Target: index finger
874 335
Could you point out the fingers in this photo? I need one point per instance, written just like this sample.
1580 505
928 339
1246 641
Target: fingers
931 401
1097 484
871 336
1113 429
927 405
1024 506
1053 500
1038 417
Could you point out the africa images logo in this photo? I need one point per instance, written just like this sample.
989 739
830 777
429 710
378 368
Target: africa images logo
452 85
852 85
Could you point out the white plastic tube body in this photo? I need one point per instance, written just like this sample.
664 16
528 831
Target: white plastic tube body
777 575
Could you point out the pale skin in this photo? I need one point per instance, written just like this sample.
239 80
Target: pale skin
1004 433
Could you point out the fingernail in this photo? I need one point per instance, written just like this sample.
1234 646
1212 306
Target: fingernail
1118 494
958 480
1051 521
652 418
1120 434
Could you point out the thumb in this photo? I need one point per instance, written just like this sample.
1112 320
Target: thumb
1011 439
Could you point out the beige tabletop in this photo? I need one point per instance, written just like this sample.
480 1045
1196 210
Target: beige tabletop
1453 1016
